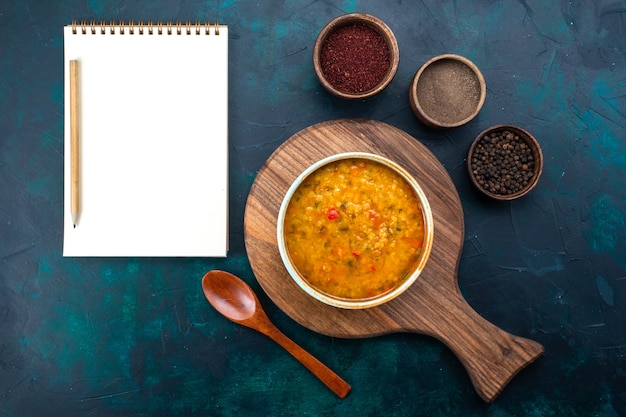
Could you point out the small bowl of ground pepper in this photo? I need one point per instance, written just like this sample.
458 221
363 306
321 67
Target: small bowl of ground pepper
356 56
447 91
505 162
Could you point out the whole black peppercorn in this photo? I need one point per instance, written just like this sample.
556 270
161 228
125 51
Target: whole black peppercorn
502 163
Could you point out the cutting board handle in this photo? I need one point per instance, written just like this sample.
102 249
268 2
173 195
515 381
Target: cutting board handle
491 356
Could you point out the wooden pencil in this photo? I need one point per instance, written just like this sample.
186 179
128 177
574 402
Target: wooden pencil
74 143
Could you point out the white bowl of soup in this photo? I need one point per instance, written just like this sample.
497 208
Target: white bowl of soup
355 230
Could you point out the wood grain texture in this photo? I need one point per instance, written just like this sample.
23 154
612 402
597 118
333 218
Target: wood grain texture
433 305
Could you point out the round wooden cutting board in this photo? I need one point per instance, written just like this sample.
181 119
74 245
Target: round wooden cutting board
433 305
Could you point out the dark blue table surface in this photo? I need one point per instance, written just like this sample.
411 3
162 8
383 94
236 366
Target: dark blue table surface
102 337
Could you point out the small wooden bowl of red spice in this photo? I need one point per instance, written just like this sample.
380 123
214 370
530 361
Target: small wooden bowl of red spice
505 162
447 91
356 56
355 230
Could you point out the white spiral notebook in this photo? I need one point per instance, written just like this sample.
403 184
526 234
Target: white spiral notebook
150 172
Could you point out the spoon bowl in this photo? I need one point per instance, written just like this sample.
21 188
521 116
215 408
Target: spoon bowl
236 301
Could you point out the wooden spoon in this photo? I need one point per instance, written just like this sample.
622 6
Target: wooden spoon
236 301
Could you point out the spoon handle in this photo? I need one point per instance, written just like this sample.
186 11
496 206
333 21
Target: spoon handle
324 373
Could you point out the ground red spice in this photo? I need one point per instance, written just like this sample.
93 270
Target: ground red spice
355 58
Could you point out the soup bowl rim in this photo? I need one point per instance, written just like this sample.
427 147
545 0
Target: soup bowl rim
356 303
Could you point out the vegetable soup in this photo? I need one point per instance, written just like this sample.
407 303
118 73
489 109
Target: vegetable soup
354 229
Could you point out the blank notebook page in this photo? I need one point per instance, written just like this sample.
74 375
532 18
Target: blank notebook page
153 135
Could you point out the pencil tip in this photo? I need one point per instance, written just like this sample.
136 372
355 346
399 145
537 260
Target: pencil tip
74 226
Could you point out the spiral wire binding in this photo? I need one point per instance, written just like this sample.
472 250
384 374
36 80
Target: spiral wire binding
150 27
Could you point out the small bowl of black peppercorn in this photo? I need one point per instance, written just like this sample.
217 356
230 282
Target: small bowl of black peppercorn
505 162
